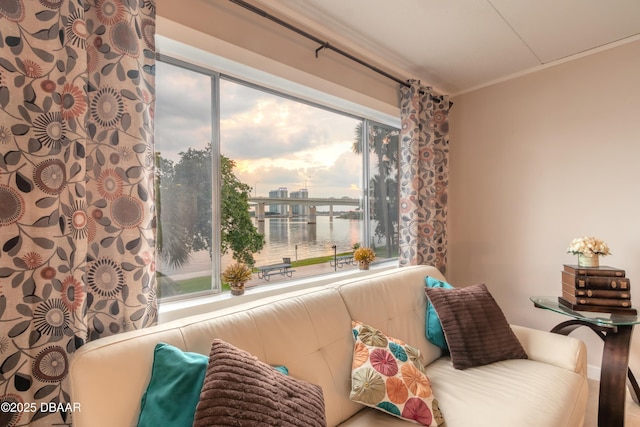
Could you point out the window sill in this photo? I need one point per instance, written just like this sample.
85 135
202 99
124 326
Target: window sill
173 310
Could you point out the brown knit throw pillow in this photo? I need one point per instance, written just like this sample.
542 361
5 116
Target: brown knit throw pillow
476 330
240 390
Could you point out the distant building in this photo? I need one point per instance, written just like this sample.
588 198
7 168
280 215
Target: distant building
280 193
300 210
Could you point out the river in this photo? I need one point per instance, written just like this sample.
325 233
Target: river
287 238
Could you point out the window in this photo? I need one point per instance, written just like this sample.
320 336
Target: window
383 148
310 174
184 179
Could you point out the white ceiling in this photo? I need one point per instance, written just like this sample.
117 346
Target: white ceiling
459 45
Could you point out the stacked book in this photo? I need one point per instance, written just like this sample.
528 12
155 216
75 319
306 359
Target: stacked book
602 289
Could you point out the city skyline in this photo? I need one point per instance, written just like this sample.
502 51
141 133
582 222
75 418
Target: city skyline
302 194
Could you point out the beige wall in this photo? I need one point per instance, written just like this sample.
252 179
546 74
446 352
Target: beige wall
537 161
222 28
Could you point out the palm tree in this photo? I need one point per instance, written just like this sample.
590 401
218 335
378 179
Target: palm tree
183 206
383 142
171 247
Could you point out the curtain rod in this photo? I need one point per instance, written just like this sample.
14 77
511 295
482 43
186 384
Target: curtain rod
323 44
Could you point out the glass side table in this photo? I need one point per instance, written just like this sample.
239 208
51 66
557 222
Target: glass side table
615 330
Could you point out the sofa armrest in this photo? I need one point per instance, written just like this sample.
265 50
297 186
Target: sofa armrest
554 349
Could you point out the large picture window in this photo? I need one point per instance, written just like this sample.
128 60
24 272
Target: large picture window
247 173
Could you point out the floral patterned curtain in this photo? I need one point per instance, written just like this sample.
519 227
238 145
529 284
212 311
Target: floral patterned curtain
424 176
77 221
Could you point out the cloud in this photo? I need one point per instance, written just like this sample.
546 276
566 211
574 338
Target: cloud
239 98
340 179
183 110
183 93
344 176
276 142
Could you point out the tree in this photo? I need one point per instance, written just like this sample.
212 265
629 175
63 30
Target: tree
238 232
184 206
172 248
383 142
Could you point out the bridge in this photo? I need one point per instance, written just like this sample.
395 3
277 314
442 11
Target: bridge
260 202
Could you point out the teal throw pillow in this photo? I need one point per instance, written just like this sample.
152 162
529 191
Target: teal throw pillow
434 331
174 389
282 369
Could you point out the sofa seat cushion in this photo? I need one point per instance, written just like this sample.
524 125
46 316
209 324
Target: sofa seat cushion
369 417
518 392
508 393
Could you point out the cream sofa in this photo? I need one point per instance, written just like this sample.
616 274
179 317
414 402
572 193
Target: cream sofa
310 333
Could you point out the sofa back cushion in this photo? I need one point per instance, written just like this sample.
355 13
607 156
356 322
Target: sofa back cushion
174 389
240 390
308 331
395 303
310 334
109 376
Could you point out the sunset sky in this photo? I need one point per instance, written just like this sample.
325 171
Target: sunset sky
275 142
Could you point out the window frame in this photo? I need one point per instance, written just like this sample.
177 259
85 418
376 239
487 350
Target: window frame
190 58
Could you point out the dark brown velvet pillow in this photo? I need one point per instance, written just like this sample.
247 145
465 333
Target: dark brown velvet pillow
240 390
475 327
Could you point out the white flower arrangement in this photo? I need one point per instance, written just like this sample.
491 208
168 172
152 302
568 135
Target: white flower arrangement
588 246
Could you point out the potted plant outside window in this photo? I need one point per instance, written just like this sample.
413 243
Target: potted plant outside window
364 256
236 275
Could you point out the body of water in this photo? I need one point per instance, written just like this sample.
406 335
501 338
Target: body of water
287 238
294 238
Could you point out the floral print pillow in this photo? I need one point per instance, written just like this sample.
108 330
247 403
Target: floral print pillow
387 374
